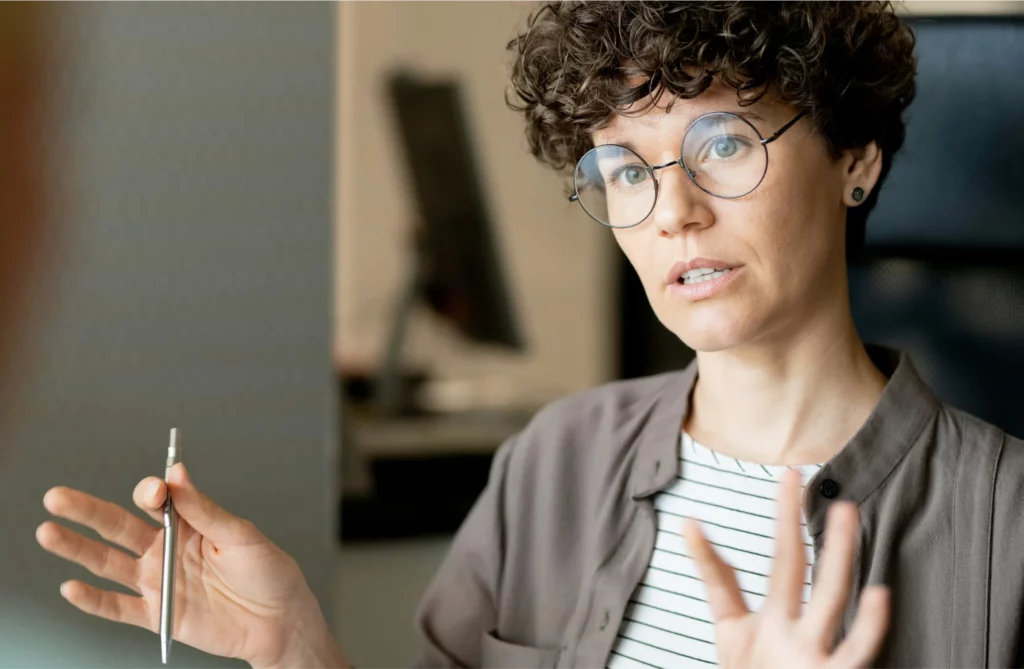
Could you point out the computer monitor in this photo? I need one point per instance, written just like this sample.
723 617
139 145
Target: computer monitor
456 266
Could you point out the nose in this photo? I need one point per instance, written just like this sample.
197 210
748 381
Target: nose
681 204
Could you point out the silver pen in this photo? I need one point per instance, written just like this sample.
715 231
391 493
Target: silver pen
170 553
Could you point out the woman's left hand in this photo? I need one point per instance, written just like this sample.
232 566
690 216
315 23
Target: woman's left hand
784 633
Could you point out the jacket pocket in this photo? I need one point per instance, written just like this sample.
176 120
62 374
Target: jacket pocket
498 654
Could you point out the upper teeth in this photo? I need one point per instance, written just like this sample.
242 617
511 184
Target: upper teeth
706 274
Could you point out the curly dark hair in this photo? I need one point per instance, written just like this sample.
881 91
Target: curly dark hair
849 65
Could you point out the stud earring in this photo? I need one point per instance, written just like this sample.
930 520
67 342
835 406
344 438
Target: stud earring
858 194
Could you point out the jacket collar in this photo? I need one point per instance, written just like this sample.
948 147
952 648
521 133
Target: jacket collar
904 409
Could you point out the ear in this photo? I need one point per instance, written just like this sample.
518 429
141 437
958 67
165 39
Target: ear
862 167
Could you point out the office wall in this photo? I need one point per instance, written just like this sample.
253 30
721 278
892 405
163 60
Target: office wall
562 266
191 287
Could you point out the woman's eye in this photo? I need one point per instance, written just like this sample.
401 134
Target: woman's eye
630 175
724 147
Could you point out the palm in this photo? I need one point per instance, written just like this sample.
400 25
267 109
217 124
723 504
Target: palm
232 591
223 595
760 640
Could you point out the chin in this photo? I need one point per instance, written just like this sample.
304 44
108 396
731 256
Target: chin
711 336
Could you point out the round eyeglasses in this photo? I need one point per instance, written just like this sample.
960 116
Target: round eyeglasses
722 153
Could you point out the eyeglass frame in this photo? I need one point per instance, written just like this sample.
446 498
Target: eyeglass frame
652 169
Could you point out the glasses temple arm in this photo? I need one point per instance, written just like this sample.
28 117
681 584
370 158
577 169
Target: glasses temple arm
784 128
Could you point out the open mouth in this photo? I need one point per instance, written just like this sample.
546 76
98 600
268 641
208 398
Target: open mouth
696 276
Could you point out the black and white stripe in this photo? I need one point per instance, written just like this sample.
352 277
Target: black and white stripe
667 622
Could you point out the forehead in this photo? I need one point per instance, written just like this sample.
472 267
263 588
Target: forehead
673 115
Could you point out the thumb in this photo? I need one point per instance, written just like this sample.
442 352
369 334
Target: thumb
204 515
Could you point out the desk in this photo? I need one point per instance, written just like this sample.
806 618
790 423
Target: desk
417 475
419 436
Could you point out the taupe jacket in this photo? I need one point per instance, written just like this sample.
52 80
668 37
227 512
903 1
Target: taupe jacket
540 573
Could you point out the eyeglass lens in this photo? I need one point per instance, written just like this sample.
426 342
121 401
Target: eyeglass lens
722 152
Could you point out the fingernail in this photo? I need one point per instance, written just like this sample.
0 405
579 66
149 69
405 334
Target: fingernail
178 475
64 589
184 474
152 489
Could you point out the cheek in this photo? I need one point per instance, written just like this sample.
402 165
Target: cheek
791 222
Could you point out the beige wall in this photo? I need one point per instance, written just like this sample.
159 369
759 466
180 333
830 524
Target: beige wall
961 6
558 260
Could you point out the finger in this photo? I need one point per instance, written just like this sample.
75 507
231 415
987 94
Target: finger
787 578
114 606
104 561
862 644
832 585
149 496
204 515
724 597
110 521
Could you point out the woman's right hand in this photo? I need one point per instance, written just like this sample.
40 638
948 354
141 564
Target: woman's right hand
783 633
237 594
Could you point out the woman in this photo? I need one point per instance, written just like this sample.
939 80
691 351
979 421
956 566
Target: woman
734 152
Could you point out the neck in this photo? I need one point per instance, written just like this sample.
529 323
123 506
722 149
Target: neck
789 399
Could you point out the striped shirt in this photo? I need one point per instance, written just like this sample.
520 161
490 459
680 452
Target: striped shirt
667 622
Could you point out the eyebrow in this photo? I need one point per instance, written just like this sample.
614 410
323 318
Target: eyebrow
625 143
750 114
746 113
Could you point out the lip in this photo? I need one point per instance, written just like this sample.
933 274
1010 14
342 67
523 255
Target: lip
704 289
681 268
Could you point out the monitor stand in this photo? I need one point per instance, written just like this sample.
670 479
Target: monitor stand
392 390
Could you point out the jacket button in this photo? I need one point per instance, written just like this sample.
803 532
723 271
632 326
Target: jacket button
604 620
829 488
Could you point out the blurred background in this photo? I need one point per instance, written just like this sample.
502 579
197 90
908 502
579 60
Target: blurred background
310 236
